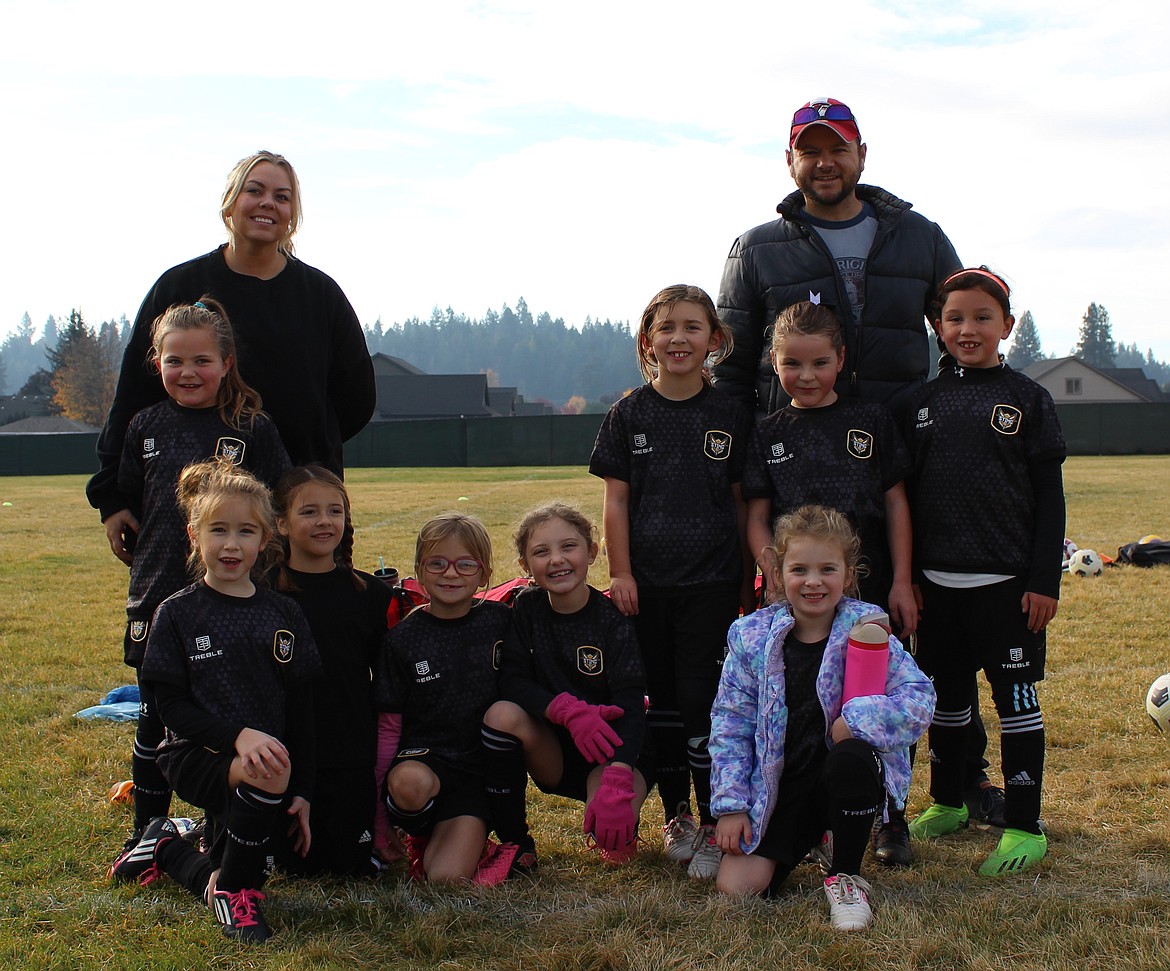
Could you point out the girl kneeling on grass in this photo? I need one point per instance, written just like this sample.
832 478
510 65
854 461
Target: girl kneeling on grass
437 675
231 667
574 709
789 760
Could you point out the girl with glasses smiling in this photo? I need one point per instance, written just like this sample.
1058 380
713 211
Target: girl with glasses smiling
436 677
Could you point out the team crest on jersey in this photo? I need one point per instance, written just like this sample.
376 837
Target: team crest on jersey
282 645
590 660
1016 654
422 667
717 445
777 449
139 630
148 445
640 440
923 414
859 443
1006 419
497 653
231 449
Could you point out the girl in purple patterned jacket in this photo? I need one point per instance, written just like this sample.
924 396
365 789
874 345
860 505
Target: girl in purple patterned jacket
789 761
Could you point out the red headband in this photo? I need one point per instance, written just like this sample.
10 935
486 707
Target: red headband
987 273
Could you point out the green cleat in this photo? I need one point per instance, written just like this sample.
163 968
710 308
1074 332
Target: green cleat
938 820
1017 850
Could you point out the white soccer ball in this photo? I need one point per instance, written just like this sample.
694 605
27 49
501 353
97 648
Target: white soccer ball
1085 563
1158 703
1069 549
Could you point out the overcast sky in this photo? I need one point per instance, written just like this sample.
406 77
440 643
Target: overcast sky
581 156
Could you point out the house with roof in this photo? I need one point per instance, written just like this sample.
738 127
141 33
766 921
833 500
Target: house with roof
407 392
1071 381
47 425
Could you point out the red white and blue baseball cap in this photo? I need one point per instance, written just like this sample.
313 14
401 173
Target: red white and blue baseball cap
828 112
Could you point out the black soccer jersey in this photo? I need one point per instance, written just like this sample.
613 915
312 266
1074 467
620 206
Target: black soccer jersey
160 441
442 675
977 436
348 626
234 657
844 456
680 459
592 654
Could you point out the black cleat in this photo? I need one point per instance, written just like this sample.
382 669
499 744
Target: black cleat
240 916
891 841
137 860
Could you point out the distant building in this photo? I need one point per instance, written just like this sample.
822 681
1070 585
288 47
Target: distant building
405 391
47 425
17 406
1071 381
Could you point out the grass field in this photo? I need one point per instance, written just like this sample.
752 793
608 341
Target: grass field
1099 901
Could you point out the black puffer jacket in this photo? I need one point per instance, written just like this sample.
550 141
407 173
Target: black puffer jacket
780 263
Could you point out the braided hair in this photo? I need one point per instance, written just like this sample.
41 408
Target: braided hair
284 494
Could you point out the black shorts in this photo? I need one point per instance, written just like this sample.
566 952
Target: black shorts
575 769
462 791
341 821
134 640
684 636
965 630
198 775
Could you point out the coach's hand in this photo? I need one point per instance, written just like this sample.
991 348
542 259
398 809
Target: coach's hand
117 524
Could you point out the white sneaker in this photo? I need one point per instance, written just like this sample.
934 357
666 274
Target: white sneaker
821 855
707 855
678 836
849 908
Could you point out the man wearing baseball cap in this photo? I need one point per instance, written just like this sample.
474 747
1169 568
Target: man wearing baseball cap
864 252
856 248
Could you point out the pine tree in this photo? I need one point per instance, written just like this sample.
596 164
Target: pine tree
1025 350
1096 346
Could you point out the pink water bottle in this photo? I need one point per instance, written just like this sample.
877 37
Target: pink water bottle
866 659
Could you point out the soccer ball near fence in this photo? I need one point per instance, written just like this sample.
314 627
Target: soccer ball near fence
1085 563
1158 703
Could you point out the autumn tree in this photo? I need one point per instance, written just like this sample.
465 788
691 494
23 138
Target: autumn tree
1025 350
84 372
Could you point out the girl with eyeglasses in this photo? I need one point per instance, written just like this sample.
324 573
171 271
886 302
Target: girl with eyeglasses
437 674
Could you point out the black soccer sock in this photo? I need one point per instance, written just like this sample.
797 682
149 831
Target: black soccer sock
1022 752
152 792
252 816
948 754
184 864
855 782
699 759
152 795
670 759
506 779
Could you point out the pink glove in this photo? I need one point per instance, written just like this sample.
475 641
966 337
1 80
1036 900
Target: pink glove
609 817
588 724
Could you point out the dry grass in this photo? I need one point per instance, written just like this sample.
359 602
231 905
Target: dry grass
1098 902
